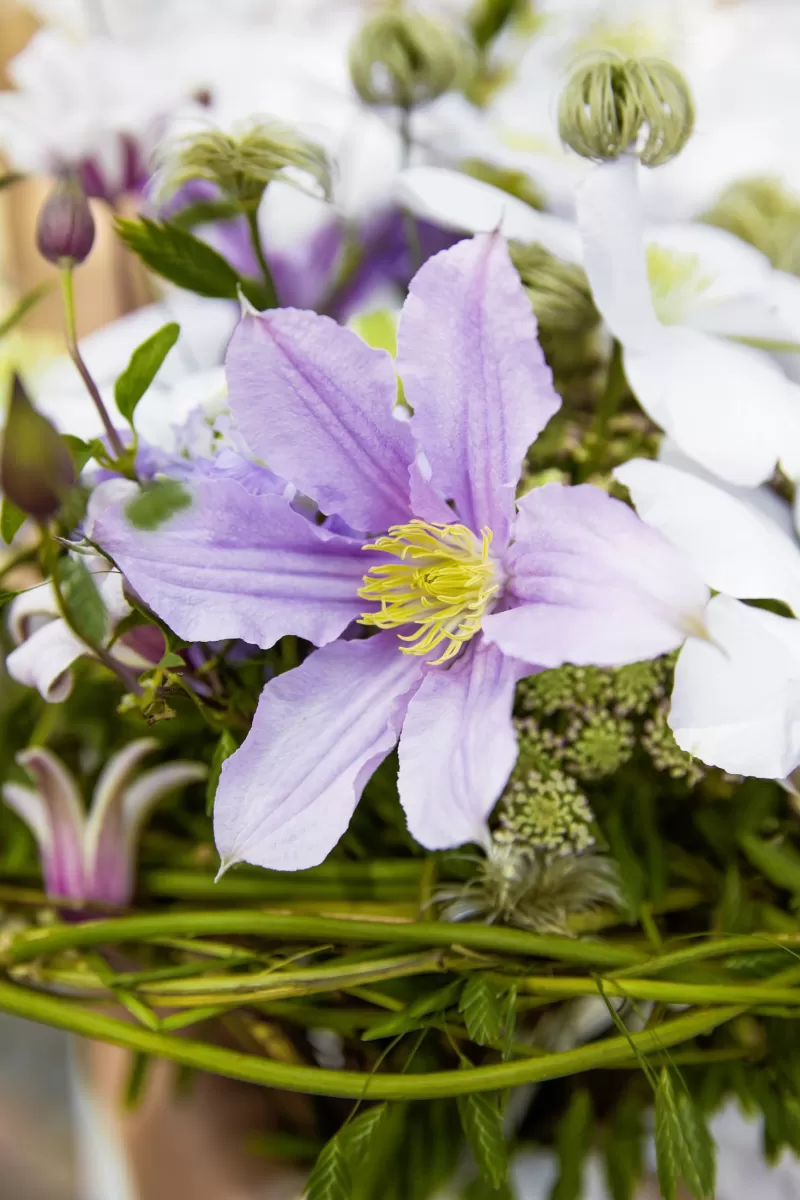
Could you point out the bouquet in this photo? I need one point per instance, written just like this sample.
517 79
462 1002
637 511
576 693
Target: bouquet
401 691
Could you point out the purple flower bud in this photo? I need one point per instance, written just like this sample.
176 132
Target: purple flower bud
65 229
36 468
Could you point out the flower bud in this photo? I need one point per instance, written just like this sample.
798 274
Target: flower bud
614 104
65 228
36 468
243 162
559 291
404 59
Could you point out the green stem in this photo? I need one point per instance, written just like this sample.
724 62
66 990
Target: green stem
63 1014
255 240
68 295
717 948
662 991
33 943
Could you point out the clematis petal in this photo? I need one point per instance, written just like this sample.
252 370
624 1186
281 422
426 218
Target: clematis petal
475 376
458 746
118 813
735 548
287 795
612 227
457 201
44 659
592 583
237 565
736 699
52 811
316 403
727 406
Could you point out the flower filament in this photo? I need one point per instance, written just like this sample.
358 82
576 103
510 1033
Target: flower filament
443 581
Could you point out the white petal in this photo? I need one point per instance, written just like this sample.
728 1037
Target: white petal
736 700
734 547
44 659
612 229
727 406
458 201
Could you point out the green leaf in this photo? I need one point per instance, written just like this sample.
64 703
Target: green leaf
179 256
482 1009
11 519
779 862
359 1136
623 1148
413 1016
80 451
10 179
633 878
84 604
23 307
171 660
142 369
136 1082
224 749
684 1147
573 1139
156 503
6 598
330 1178
482 1123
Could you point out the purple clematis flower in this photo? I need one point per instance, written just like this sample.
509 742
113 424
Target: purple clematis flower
468 591
93 858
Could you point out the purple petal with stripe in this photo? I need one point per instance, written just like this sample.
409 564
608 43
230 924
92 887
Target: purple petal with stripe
458 746
316 403
52 811
589 582
234 565
475 376
287 795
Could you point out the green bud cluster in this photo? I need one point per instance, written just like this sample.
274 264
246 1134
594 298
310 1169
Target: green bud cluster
612 105
559 291
664 751
546 811
403 59
764 213
604 743
243 163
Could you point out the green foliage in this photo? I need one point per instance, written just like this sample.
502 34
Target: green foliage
573 1140
156 503
80 451
778 861
177 255
83 603
11 520
330 1179
482 1122
684 1148
417 1014
482 1009
23 306
359 1135
224 748
142 369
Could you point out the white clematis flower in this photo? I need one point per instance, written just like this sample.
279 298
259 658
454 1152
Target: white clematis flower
675 297
736 700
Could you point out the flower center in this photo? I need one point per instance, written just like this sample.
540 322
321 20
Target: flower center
676 280
443 581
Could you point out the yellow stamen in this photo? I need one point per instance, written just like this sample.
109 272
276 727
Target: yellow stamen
443 582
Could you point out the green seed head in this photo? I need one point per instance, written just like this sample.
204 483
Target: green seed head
614 104
404 59
558 291
242 163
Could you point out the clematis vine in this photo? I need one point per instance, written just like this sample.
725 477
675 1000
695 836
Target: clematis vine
736 699
682 300
92 858
466 591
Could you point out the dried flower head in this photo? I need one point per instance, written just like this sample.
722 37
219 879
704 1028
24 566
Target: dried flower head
404 59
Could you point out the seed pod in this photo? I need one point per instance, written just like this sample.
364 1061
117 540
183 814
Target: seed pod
36 469
613 104
65 228
404 59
